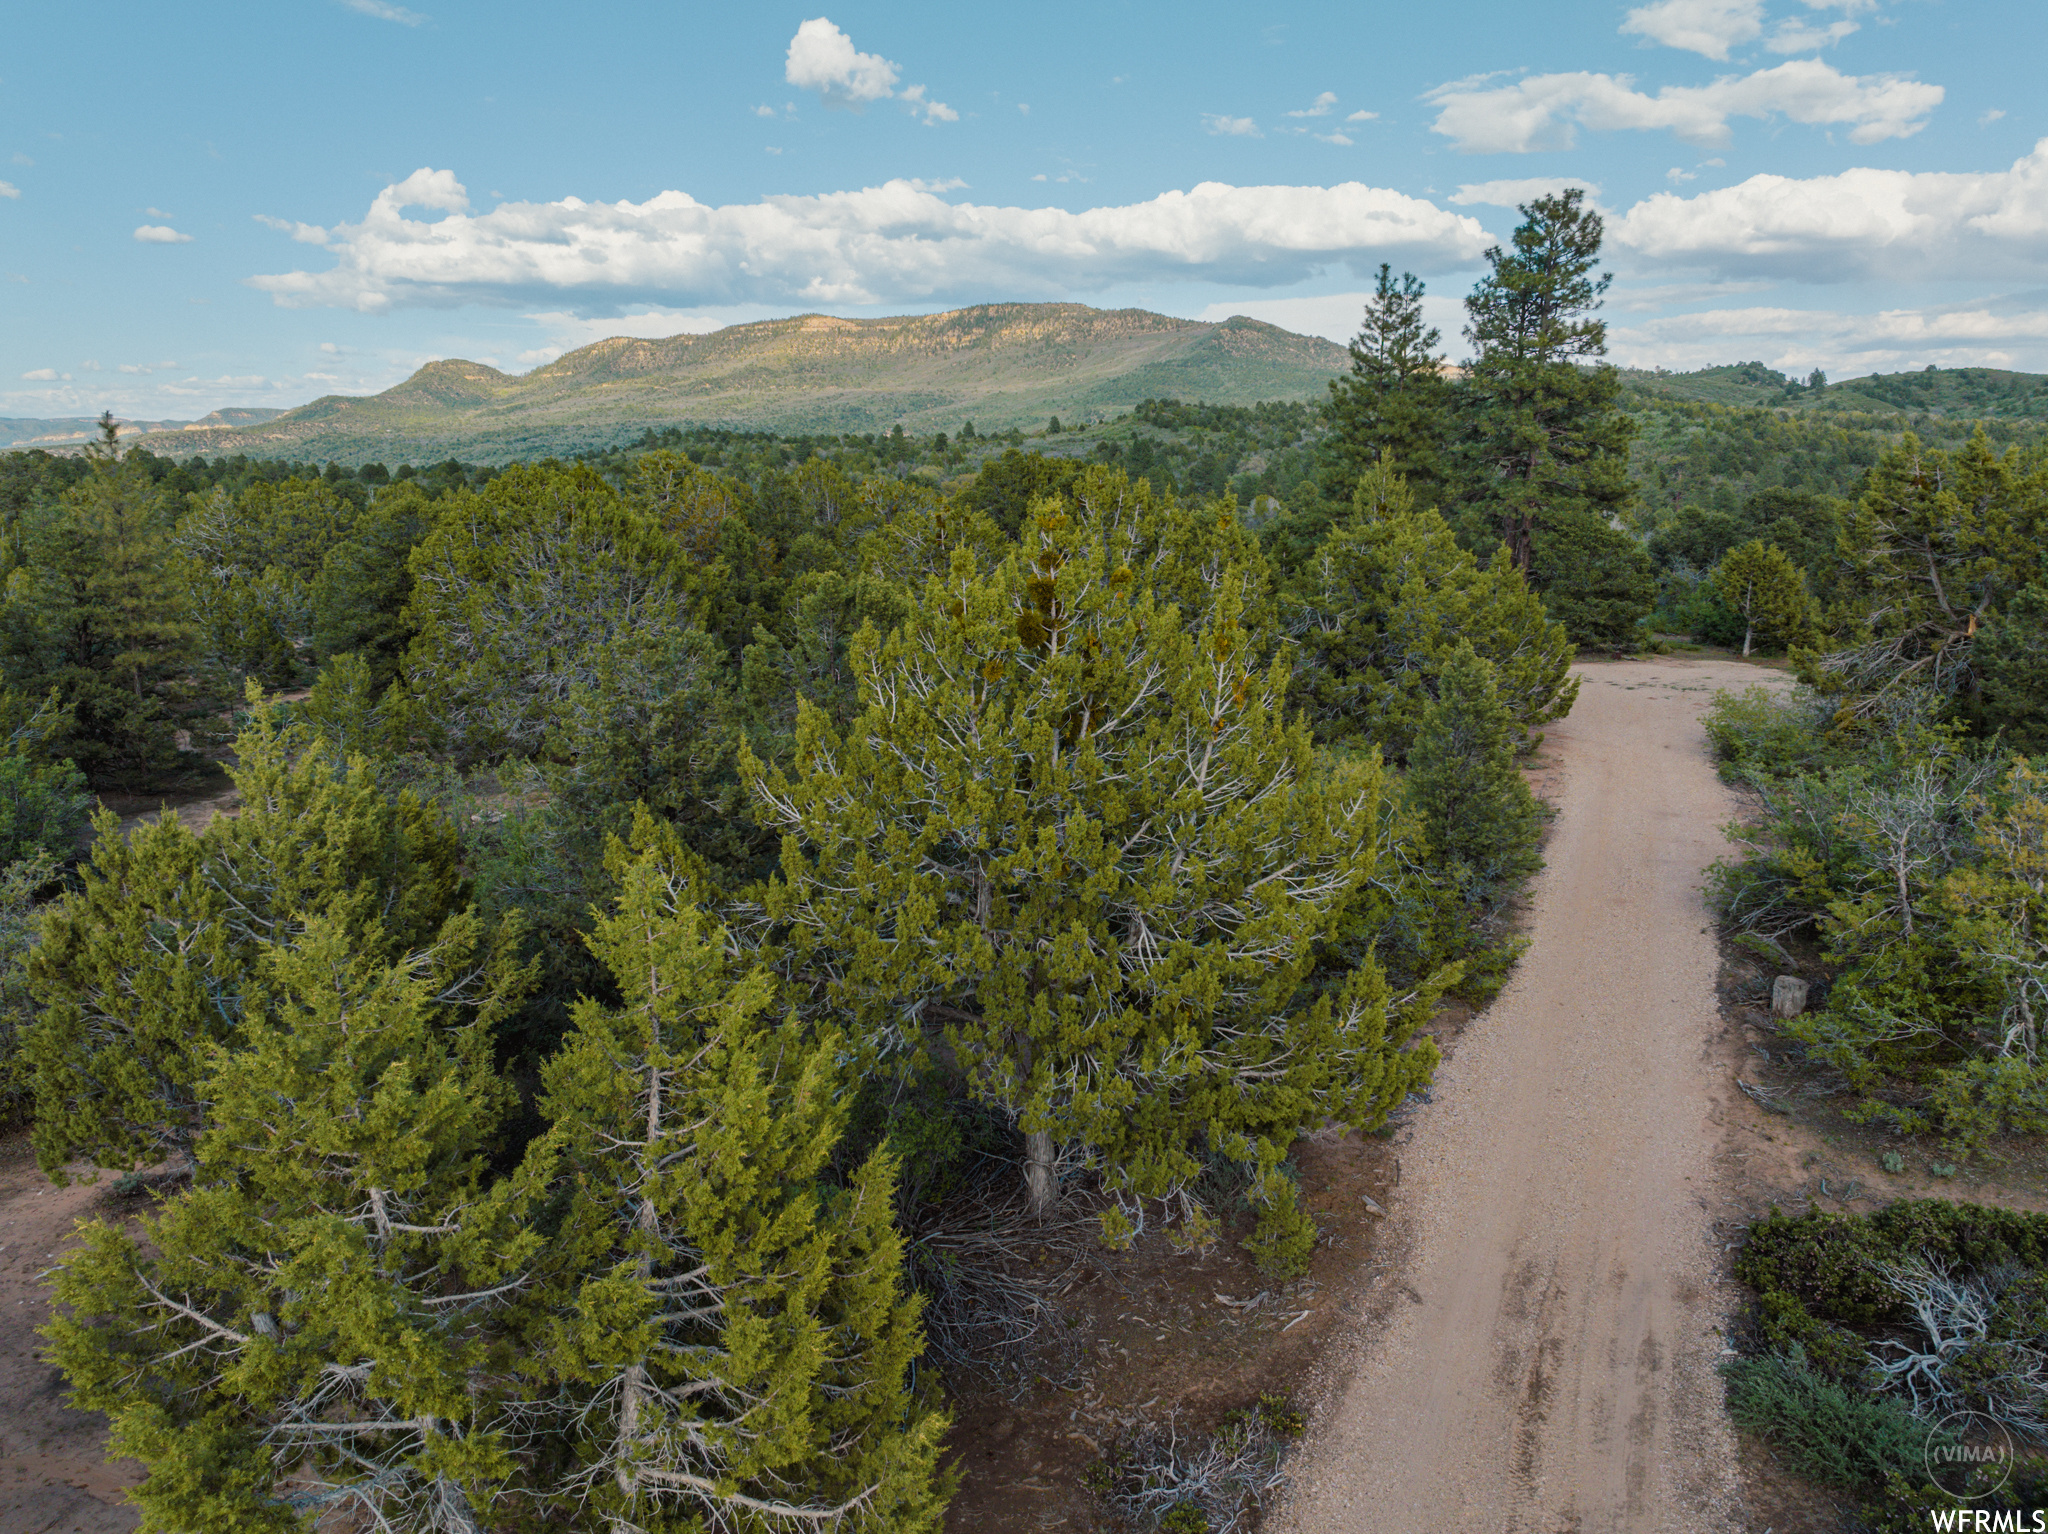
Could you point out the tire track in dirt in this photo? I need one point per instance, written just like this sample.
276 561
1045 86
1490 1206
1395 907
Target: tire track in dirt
1554 1372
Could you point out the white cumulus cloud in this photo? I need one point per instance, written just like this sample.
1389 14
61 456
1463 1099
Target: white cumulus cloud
160 234
41 375
1709 27
1320 107
1231 127
823 59
2007 332
9 189
305 234
893 243
1859 224
1545 111
1513 193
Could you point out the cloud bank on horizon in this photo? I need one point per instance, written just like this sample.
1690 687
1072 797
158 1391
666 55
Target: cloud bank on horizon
1845 194
904 243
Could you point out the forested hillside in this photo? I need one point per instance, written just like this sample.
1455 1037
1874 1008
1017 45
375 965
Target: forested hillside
1001 365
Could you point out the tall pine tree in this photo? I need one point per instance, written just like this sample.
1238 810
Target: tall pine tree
1396 406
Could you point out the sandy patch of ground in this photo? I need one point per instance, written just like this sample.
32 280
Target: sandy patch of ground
54 1478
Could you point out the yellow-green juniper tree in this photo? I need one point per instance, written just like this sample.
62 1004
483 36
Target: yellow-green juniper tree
313 1333
728 1342
1072 836
152 957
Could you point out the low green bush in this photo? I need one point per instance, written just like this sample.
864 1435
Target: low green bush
1824 1430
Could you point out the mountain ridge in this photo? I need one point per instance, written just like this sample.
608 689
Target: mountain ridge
1000 365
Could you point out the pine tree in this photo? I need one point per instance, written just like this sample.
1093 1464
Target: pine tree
1073 834
1766 588
314 1330
1395 405
1383 604
1482 822
360 596
99 610
1551 441
152 957
730 1335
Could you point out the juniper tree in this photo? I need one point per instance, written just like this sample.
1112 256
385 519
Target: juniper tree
1482 822
729 1343
152 957
1936 544
1385 602
522 595
253 558
1767 590
314 1332
1073 835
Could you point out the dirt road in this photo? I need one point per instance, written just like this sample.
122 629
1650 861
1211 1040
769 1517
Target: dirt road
1549 1366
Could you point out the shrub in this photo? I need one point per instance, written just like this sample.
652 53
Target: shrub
1826 1431
43 807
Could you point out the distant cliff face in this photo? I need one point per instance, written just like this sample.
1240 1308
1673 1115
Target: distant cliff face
998 365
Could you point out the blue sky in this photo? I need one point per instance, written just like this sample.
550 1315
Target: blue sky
241 204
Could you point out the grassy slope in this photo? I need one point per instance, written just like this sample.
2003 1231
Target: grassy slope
998 365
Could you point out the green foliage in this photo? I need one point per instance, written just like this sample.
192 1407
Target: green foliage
730 1337
1482 822
1765 588
2012 664
1051 837
21 882
253 558
1006 487
1924 872
1384 604
1595 580
1394 409
43 808
1824 1430
96 607
522 597
312 1329
1820 1277
1549 449
1928 1305
359 596
156 954
1937 543
1773 732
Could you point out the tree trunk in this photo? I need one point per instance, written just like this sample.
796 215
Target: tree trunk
1038 1171
1748 633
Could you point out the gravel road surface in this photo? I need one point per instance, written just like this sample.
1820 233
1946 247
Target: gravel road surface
1548 1362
